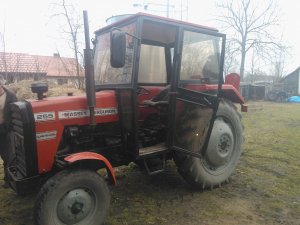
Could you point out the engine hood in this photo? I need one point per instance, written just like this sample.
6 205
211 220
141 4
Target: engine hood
52 115
69 108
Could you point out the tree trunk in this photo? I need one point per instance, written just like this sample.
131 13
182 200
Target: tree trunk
77 67
243 58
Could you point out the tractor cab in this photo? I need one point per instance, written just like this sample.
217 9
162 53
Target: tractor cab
160 69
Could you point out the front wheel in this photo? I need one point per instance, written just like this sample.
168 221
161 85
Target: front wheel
78 197
222 154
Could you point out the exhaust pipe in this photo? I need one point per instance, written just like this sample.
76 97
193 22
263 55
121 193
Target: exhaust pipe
89 71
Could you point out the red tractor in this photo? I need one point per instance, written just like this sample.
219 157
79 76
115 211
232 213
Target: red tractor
154 92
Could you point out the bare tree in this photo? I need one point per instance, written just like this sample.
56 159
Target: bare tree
39 67
250 22
10 65
255 64
3 54
278 61
231 54
72 21
68 66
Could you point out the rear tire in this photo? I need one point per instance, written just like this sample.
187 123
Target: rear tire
223 151
78 197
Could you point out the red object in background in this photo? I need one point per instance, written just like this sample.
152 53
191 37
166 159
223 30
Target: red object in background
233 79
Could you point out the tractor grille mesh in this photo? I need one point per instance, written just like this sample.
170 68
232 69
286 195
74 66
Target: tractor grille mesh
18 139
22 138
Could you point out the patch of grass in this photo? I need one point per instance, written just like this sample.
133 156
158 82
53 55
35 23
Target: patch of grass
271 160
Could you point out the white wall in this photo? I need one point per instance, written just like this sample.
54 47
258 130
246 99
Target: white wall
299 81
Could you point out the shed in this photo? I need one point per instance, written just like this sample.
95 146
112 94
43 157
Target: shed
252 91
291 83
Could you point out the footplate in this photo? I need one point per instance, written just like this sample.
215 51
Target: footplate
161 147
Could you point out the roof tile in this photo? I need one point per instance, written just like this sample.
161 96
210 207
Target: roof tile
53 66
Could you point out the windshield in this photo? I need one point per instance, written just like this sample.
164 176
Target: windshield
104 73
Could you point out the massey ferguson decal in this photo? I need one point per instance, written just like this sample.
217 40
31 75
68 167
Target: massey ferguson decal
71 114
48 135
105 111
44 116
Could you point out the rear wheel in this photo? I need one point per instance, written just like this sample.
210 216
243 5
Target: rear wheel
78 197
223 151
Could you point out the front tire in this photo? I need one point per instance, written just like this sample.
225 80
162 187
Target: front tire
70 197
223 151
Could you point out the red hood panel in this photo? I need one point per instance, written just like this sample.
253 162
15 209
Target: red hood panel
53 114
73 109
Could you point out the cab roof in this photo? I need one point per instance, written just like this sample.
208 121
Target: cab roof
155 18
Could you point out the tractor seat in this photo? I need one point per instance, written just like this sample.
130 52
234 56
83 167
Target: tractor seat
161 99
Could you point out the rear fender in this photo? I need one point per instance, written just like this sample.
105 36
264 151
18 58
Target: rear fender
92 156
230 90
231 93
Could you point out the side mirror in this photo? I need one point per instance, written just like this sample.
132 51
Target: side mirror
117 49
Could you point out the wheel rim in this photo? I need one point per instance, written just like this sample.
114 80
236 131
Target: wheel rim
220 147
76 206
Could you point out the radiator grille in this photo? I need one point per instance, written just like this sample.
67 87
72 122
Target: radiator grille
23 138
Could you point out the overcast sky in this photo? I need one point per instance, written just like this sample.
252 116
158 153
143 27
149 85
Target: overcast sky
30 29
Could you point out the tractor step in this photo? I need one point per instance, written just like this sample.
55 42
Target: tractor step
153 149
155 165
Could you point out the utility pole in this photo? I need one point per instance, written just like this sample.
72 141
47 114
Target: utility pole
180 9
168 8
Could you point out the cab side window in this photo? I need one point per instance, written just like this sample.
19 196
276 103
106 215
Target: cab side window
152 66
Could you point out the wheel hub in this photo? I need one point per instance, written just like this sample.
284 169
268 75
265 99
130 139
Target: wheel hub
76 208
224 144
75 205
220 144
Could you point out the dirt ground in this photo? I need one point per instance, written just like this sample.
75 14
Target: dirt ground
264 189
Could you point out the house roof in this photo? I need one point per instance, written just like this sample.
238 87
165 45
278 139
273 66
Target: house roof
52 66
296 72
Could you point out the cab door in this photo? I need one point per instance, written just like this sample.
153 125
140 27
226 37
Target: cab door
198 61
